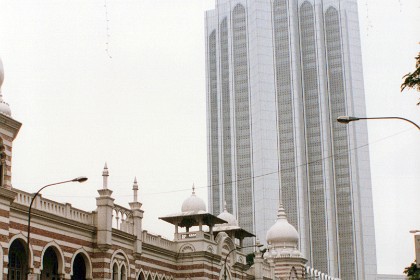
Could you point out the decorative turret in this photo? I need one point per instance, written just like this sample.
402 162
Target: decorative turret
283 252
282 234
135 189
105 175
105 205
231 227
9 128
137 219
193 214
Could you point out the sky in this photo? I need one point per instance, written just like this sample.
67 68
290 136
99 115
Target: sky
123 82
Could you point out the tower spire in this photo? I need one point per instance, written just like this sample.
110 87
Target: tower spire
105 175
135 189
281 213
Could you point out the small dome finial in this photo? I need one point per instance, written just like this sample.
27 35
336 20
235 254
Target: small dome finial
281 213
135 189
105 175
135 185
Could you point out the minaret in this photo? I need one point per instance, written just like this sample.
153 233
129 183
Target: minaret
137 219
9 128
105 205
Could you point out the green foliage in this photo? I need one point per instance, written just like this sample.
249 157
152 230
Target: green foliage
250 259
412 80
412 271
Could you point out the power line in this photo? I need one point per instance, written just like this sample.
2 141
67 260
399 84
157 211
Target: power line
265 174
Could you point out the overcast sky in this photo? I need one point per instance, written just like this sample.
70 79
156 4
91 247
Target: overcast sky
123 82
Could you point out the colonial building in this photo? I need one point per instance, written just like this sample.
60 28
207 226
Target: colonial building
110 242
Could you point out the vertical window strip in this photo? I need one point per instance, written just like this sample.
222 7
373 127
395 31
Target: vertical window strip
214 124
340 145
242 118
285 111
227 147
313 137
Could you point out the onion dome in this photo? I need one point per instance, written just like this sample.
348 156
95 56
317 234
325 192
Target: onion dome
4 107
193 204
228 217
282 233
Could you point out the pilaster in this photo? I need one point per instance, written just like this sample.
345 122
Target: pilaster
105 205
137 230
6 199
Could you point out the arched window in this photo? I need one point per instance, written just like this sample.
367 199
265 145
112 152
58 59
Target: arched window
123 275
293 274
115 272
79 268
141 276
50 265
17 261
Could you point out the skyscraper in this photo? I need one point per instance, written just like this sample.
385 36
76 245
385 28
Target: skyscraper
279 73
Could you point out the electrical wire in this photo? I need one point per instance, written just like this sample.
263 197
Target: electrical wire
261 175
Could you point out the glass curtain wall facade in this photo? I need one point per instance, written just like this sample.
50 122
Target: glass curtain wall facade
279 73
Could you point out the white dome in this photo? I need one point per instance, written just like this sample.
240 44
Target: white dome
282 232
193 204
229 218
4 107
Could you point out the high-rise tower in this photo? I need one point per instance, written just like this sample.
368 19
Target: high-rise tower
279 73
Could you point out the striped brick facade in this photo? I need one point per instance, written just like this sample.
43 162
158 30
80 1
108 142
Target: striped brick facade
124 254
52 226
9 128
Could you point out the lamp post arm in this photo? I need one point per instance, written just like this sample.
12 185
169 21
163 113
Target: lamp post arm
224 271
347 119
396 118
78 179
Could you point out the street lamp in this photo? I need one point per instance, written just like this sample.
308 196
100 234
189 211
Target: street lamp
347 119
78 179
234 249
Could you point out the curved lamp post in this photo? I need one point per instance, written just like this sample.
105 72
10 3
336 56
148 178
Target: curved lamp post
78 179
234 249
347 119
